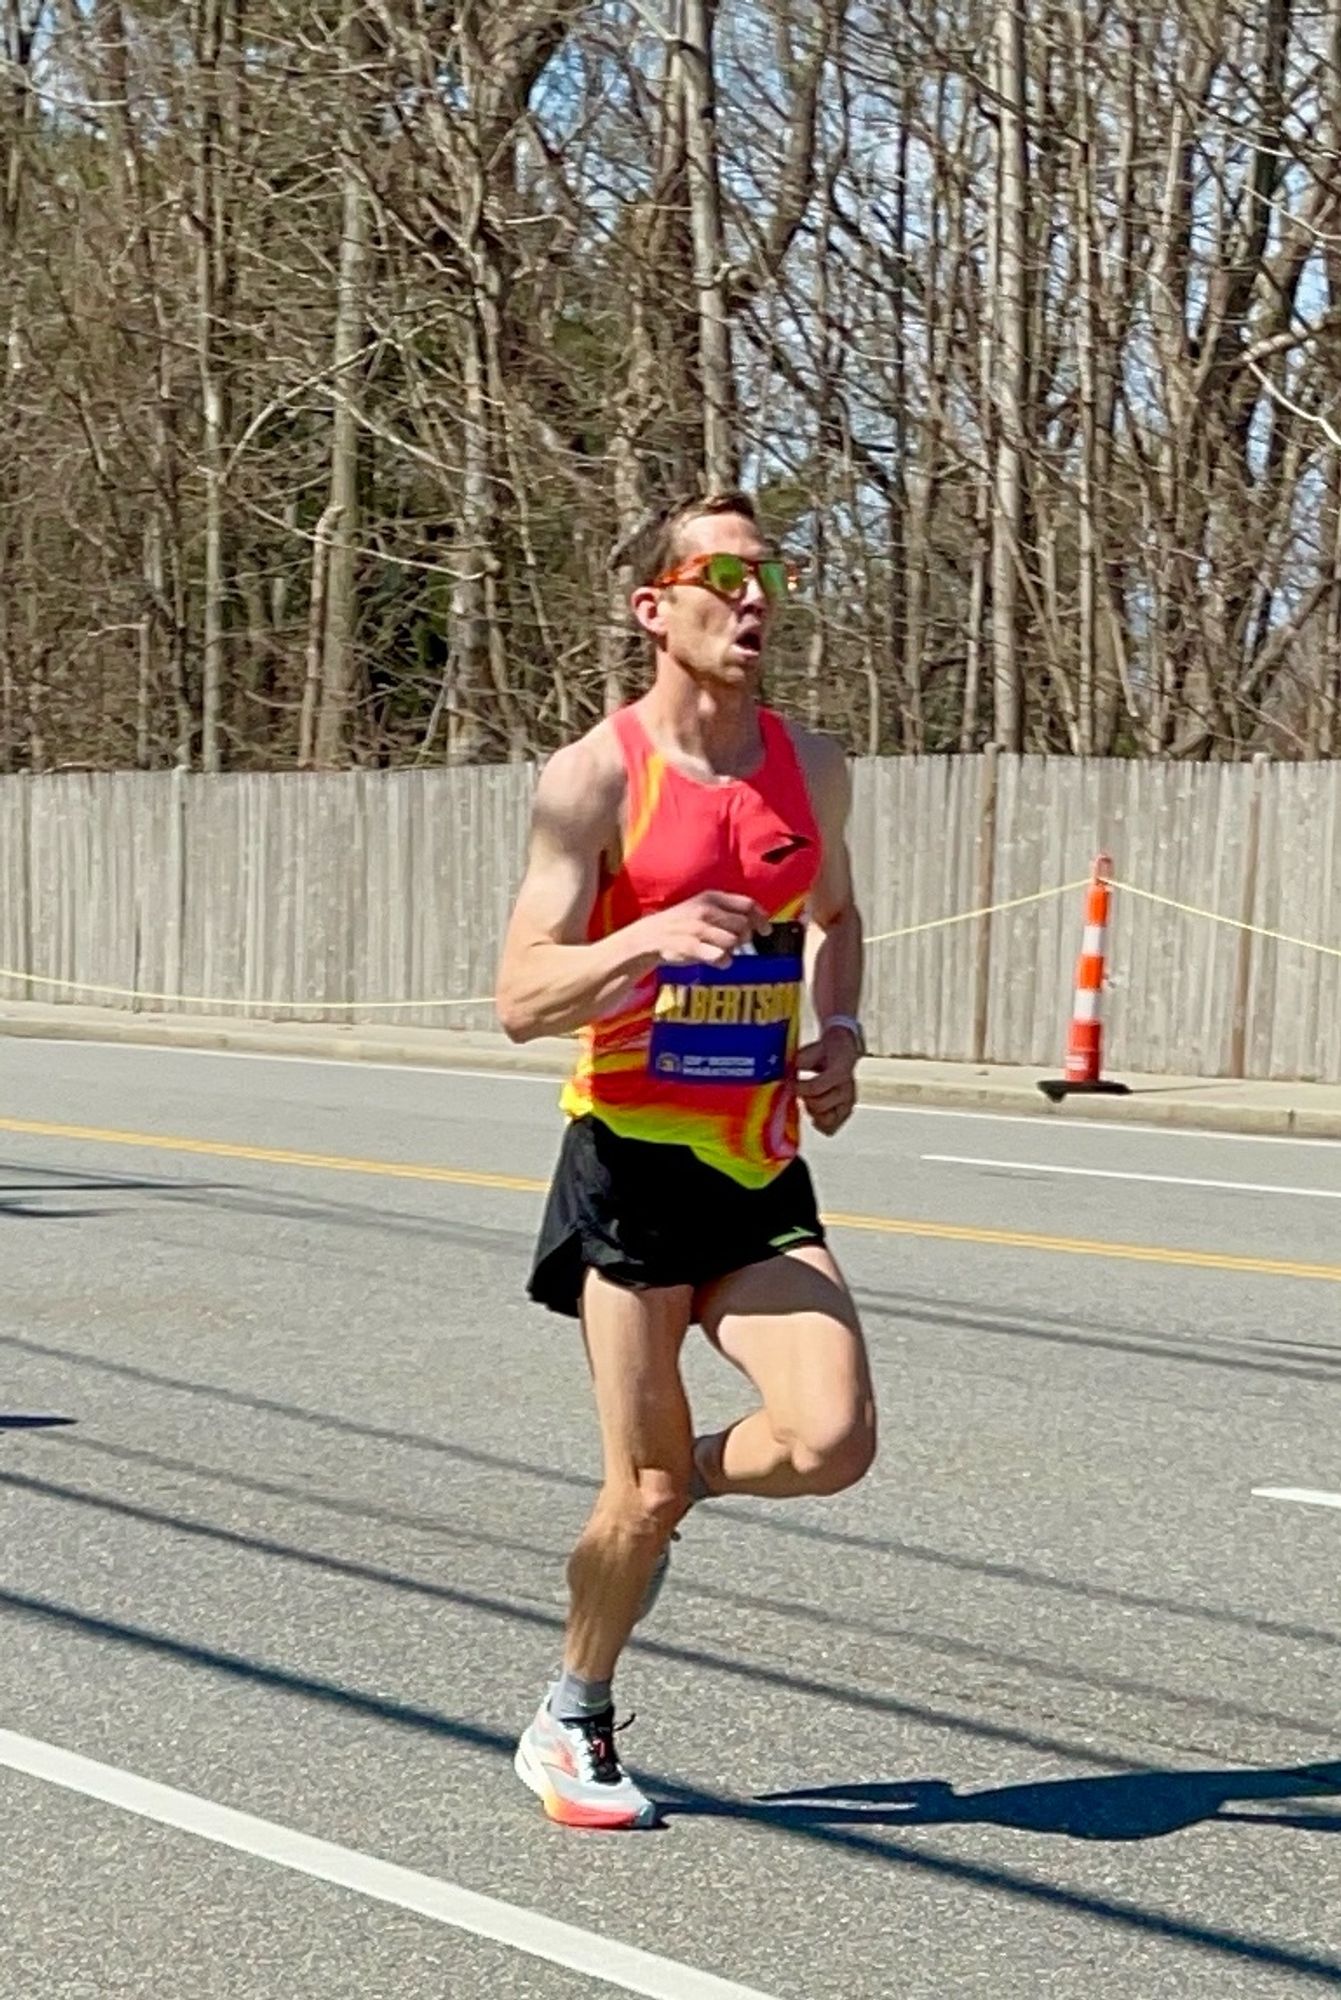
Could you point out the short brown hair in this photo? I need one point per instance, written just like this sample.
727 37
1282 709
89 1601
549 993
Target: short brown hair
657 548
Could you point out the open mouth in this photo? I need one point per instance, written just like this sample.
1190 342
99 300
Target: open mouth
750 641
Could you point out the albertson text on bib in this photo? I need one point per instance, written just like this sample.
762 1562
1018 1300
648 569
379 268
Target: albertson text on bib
728 1024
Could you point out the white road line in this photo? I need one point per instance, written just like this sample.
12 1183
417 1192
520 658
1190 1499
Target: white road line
1113 1174
621 1965
1210 1135
1303 1496
552 1078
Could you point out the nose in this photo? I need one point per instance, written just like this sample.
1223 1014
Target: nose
754 595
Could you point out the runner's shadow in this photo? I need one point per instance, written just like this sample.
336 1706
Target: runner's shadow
1145 1805
40 1194
24 1210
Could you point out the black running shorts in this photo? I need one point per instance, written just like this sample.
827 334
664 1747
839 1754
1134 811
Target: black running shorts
647 1215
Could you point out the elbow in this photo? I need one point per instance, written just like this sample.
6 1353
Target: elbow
523 999
836 917
516 1021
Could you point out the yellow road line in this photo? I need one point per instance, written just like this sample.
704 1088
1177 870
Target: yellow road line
886 1225
275 1156
1080 1246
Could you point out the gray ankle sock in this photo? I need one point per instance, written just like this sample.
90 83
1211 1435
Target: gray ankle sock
575 1700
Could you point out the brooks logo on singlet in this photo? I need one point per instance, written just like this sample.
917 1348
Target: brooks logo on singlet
703 1056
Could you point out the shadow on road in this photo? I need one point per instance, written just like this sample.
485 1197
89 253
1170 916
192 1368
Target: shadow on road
995 1880
1293 1360
14 1423
911 1633
35 1195
1144 1805
40 1195
757 1516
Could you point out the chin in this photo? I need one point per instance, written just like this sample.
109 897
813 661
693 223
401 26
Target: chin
739 676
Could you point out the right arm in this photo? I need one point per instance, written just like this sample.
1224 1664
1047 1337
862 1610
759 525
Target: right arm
551 978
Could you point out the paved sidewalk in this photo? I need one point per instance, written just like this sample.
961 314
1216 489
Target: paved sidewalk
1213 1104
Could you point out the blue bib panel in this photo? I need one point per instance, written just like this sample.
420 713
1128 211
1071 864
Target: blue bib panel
728 1024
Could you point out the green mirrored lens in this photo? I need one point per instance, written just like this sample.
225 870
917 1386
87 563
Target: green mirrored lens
726 573
773 579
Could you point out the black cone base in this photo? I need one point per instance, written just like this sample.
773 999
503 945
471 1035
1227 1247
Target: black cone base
1056 1088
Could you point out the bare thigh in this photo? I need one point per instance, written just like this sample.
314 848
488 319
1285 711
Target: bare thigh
791 1326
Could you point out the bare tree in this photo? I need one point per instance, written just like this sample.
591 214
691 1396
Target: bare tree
346 348
336 548
1010 302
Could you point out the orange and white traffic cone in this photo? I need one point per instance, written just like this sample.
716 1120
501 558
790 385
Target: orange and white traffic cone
1084 1041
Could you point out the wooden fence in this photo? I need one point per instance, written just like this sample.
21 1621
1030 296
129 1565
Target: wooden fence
391 886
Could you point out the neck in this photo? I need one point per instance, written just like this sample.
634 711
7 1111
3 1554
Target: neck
714 726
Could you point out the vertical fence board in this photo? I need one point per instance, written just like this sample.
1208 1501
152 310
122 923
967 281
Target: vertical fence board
355 888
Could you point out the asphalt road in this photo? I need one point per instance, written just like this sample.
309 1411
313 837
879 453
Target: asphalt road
1050 1701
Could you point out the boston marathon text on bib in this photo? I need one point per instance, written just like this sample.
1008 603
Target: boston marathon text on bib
730 1024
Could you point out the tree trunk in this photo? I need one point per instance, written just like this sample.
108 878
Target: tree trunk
339 637
1010 315
1086 342
9 734
468 669
984 472
211 31
36 691
20 26
314 675
905 638
720 462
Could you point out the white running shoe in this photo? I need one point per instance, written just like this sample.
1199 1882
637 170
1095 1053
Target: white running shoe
574 1772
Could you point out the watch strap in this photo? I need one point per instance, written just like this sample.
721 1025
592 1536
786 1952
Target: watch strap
853 1026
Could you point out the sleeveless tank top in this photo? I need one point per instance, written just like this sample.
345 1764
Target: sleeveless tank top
699 1056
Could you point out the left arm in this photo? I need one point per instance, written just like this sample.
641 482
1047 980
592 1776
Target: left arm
828 1086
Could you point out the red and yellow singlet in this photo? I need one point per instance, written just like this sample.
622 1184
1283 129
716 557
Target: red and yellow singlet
695 1056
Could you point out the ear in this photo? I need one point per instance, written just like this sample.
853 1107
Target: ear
645 603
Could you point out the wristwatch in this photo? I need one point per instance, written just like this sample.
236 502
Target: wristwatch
853 1027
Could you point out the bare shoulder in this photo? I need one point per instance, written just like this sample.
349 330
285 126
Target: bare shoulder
825 764
580 790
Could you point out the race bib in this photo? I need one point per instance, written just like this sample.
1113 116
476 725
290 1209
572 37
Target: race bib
729 1024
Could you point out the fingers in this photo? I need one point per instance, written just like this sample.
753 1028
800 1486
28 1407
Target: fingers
717 946
829 1097
744 908
822 1094
830 1115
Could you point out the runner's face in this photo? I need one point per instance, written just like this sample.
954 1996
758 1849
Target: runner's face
719 640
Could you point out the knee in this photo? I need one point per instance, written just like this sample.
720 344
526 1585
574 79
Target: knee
831 1457
651 1505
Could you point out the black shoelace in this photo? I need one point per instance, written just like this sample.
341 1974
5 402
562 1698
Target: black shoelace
600 1732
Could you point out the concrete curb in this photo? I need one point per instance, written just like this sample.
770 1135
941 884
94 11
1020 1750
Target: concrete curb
1181 1112
1148 1104
333 1044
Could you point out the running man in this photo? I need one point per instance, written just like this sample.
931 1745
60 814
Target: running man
688 858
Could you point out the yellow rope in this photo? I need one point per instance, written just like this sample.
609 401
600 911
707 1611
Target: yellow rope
1216 917
478 1000
201 1000
968 916
486 1000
